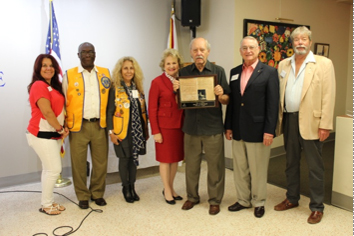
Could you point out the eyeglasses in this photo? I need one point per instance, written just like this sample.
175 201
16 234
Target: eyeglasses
251 48
90 53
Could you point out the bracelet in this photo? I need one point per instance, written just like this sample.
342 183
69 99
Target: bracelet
62 131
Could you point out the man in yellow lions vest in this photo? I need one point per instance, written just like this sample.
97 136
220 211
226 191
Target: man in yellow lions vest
86 89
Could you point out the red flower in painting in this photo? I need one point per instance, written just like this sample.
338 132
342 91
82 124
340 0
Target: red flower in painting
275 38
271 63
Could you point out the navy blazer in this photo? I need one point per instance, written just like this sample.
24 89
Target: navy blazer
256 112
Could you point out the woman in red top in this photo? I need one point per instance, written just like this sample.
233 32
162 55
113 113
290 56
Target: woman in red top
45 129
166 122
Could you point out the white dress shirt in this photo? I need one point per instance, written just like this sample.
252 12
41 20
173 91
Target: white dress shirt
92 94
294 84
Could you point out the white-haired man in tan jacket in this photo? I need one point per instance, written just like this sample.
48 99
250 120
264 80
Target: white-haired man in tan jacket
307 96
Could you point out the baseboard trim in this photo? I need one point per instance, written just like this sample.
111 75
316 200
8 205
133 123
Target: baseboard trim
114 177
29 178
342 201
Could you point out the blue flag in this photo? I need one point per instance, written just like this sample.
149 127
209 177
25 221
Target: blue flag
53 45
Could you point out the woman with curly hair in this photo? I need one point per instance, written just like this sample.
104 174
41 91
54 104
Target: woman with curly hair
127 121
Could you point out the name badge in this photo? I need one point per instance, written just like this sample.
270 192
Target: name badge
135 93
50 88
234 77
283 73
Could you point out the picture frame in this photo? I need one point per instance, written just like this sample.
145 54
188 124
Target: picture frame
197 91
322 49
273 38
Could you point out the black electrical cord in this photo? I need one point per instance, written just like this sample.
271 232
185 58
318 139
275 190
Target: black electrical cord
174 4
71 231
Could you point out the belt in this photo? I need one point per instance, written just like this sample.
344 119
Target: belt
92 119
291 113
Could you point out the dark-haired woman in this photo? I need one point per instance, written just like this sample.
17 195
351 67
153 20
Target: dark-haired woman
45 129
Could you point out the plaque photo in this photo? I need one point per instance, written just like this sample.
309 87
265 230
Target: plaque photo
197 91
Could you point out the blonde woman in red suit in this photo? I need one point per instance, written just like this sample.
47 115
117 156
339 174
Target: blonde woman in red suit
166 122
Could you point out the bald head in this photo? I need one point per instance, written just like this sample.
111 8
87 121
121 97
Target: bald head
87 55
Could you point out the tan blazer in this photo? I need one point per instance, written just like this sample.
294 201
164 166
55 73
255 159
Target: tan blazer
317 97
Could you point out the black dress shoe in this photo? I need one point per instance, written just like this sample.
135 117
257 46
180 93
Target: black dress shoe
171 202
83 204
236 207
127 194
99 201
259 211
178 198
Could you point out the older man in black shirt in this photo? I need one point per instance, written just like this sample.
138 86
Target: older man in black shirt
203 130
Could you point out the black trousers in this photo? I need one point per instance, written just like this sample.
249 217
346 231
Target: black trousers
127 170
294 144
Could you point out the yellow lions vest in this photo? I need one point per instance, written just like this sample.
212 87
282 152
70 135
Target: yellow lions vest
76 93
122 113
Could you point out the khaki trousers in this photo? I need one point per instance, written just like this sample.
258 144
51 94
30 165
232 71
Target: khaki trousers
250 162
213 145
94 136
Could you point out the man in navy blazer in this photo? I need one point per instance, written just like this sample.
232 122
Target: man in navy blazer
250 123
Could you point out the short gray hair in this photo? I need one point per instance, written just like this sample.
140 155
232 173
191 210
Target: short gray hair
248 37
208 46
301 30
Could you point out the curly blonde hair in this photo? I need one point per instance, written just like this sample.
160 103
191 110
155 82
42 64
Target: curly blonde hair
138 74
173 53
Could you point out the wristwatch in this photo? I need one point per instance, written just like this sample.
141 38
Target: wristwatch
110 132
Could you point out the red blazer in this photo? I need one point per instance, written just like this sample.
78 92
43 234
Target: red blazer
162 107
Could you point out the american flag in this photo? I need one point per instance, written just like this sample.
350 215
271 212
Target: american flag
52 45
172 36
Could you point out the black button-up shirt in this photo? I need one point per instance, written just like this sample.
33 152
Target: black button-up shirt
205 121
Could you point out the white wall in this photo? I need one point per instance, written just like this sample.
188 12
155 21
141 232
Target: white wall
116 27
139 28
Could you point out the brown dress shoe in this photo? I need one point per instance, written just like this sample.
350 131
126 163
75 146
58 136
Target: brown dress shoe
315 217
189 205
214 209
285 205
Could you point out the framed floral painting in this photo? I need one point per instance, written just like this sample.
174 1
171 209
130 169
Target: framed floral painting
273 38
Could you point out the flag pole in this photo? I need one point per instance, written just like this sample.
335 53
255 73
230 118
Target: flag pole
51 23
173 8
61 182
